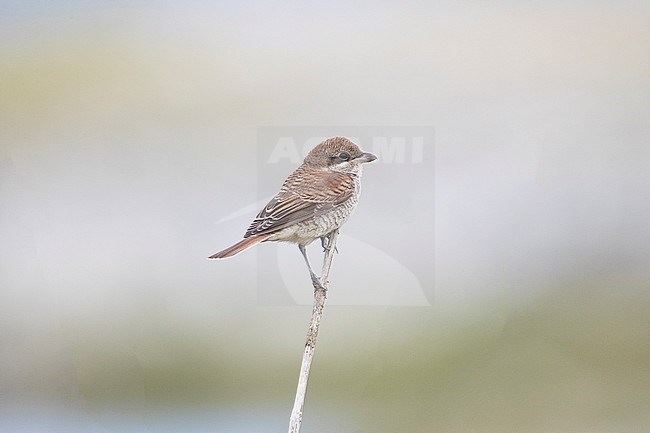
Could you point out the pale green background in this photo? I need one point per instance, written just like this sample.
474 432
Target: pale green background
127 129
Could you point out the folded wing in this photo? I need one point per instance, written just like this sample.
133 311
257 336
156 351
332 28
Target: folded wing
307 193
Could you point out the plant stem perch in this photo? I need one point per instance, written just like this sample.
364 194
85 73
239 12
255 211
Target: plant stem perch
320 294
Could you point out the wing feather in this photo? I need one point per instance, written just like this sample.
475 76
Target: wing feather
305 194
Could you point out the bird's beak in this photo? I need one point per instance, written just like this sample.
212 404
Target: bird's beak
365 157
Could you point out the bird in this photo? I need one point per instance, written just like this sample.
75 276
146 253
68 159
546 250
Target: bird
314 201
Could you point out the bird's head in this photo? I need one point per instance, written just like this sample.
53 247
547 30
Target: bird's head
338 154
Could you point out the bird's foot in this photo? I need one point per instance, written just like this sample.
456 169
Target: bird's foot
325 243
315 281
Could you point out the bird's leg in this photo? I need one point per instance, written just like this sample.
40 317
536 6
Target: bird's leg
314 279
325 243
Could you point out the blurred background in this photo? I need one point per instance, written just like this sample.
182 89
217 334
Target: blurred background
130 130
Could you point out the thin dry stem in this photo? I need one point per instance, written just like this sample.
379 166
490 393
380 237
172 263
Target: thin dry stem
320 294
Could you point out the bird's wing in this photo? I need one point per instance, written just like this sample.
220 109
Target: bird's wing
303 195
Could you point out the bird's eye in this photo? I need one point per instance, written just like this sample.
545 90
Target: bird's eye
344 156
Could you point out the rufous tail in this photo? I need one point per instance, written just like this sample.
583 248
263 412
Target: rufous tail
240 246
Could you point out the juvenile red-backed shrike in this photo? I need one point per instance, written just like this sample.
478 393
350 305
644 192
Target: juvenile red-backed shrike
315 200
